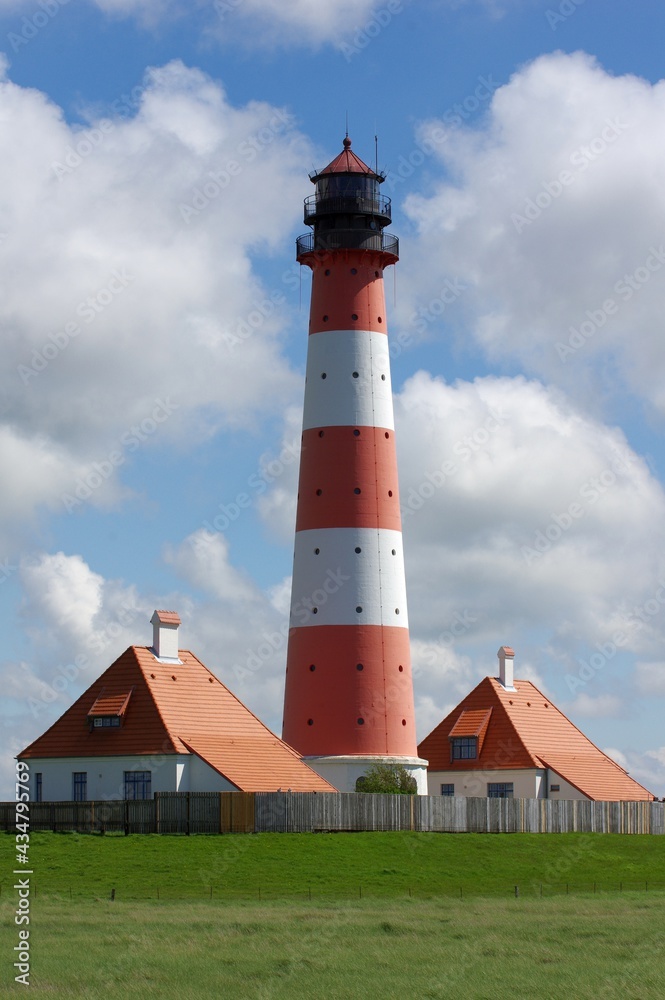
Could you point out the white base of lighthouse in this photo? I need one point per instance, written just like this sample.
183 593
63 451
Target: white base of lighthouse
344 771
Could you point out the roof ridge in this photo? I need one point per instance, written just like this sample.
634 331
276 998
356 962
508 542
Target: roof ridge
494 684
167 730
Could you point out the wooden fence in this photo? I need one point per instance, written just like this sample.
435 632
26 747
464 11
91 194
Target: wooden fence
306 812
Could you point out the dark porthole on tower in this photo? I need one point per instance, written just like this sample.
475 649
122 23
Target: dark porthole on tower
310 722
361 722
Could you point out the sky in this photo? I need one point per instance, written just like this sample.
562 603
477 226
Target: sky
153 321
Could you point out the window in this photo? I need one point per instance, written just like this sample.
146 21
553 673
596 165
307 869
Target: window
555 788
500 790
38 786
80 786
137 785
448 790
464 747
102 721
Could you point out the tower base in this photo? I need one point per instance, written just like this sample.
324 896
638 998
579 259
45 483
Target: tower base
344 771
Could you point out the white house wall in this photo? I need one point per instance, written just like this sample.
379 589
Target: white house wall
106 775
528 783
566 790
203 778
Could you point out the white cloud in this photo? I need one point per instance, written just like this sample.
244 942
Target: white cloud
203 561
67 594
252 22
276 482
301 22
131 237
650 679
549 218
600 706
521 514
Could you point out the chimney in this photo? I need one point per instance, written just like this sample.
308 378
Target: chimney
165 636
506 656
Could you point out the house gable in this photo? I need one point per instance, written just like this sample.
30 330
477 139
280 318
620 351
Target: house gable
526 730
175 708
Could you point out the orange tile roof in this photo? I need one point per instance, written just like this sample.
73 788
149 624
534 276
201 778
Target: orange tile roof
472 723
168 617
527 731
178 708
115 704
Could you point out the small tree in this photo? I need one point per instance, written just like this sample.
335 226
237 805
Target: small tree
391 778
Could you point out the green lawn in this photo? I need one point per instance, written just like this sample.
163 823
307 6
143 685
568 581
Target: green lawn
581 947
281 866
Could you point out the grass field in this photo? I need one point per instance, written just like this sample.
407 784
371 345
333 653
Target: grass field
522 949
438 917
336 865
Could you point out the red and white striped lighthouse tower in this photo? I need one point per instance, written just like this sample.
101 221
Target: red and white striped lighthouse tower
349 693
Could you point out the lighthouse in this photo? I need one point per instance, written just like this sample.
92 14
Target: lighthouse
349 691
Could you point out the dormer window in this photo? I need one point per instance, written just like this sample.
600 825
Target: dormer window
468 734
108 710
104 721
464 747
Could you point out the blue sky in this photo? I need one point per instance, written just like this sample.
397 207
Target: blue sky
155 158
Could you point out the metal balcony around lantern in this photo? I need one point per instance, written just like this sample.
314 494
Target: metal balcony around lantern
377 206
347 239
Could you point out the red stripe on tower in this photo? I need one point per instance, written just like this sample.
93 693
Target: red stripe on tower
349 692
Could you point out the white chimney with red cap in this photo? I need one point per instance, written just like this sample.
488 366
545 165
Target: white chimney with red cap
165 636
506 656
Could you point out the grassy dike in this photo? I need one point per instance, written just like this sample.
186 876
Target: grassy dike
334 865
